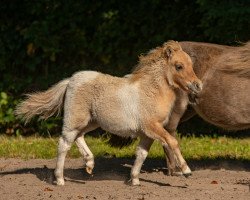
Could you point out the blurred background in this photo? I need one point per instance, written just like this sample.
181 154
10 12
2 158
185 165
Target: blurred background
44 41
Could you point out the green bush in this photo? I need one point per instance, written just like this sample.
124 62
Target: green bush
8 122
44 41
225 21
10 125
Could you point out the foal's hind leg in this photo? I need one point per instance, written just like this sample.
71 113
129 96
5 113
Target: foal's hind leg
141 154
65 142
87 154
84 149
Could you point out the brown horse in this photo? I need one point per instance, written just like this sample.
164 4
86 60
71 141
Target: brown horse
225 98
139 105
225 72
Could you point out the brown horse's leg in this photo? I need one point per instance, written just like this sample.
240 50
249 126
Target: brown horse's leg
189 113
156 130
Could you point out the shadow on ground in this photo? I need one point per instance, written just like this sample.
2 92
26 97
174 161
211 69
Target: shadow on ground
119 169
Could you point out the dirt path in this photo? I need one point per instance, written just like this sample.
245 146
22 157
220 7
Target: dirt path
33 179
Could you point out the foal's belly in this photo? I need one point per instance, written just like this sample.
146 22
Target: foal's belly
118 112
117 125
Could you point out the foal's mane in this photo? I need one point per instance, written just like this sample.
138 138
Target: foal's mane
236 61
155 55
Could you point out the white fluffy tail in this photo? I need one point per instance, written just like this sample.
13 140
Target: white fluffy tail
45 104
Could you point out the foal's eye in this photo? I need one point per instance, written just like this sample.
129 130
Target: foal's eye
178 67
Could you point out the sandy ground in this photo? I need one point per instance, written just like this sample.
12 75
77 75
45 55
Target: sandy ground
33 179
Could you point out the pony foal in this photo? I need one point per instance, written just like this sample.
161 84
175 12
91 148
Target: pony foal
138 105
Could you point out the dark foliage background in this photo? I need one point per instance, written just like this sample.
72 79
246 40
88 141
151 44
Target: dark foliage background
44 41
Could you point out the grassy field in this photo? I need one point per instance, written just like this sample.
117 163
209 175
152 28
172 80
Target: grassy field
192 148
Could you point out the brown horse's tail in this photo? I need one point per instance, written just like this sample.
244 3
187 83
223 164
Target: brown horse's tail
45 104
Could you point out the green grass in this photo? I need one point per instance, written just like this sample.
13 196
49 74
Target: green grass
191 147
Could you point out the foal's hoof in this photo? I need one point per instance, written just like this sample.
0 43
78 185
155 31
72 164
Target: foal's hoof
187 175
89 170
187 172
60 182
176 173
135 182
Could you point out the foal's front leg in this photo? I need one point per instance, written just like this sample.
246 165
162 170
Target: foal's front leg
178 111
141 154
157 131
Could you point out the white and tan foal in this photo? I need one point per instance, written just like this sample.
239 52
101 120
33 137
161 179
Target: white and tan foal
138 105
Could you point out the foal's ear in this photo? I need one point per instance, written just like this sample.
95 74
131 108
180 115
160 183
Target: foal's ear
170 47
168 52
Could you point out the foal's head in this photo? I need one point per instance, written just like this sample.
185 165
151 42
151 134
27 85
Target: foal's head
179 71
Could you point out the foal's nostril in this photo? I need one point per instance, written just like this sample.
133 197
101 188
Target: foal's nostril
197 86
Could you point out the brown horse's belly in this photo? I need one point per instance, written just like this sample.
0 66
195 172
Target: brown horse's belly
225 102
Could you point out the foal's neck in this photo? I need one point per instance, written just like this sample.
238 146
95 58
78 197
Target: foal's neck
151 76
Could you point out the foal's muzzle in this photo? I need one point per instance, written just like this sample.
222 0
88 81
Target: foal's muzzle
194 87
